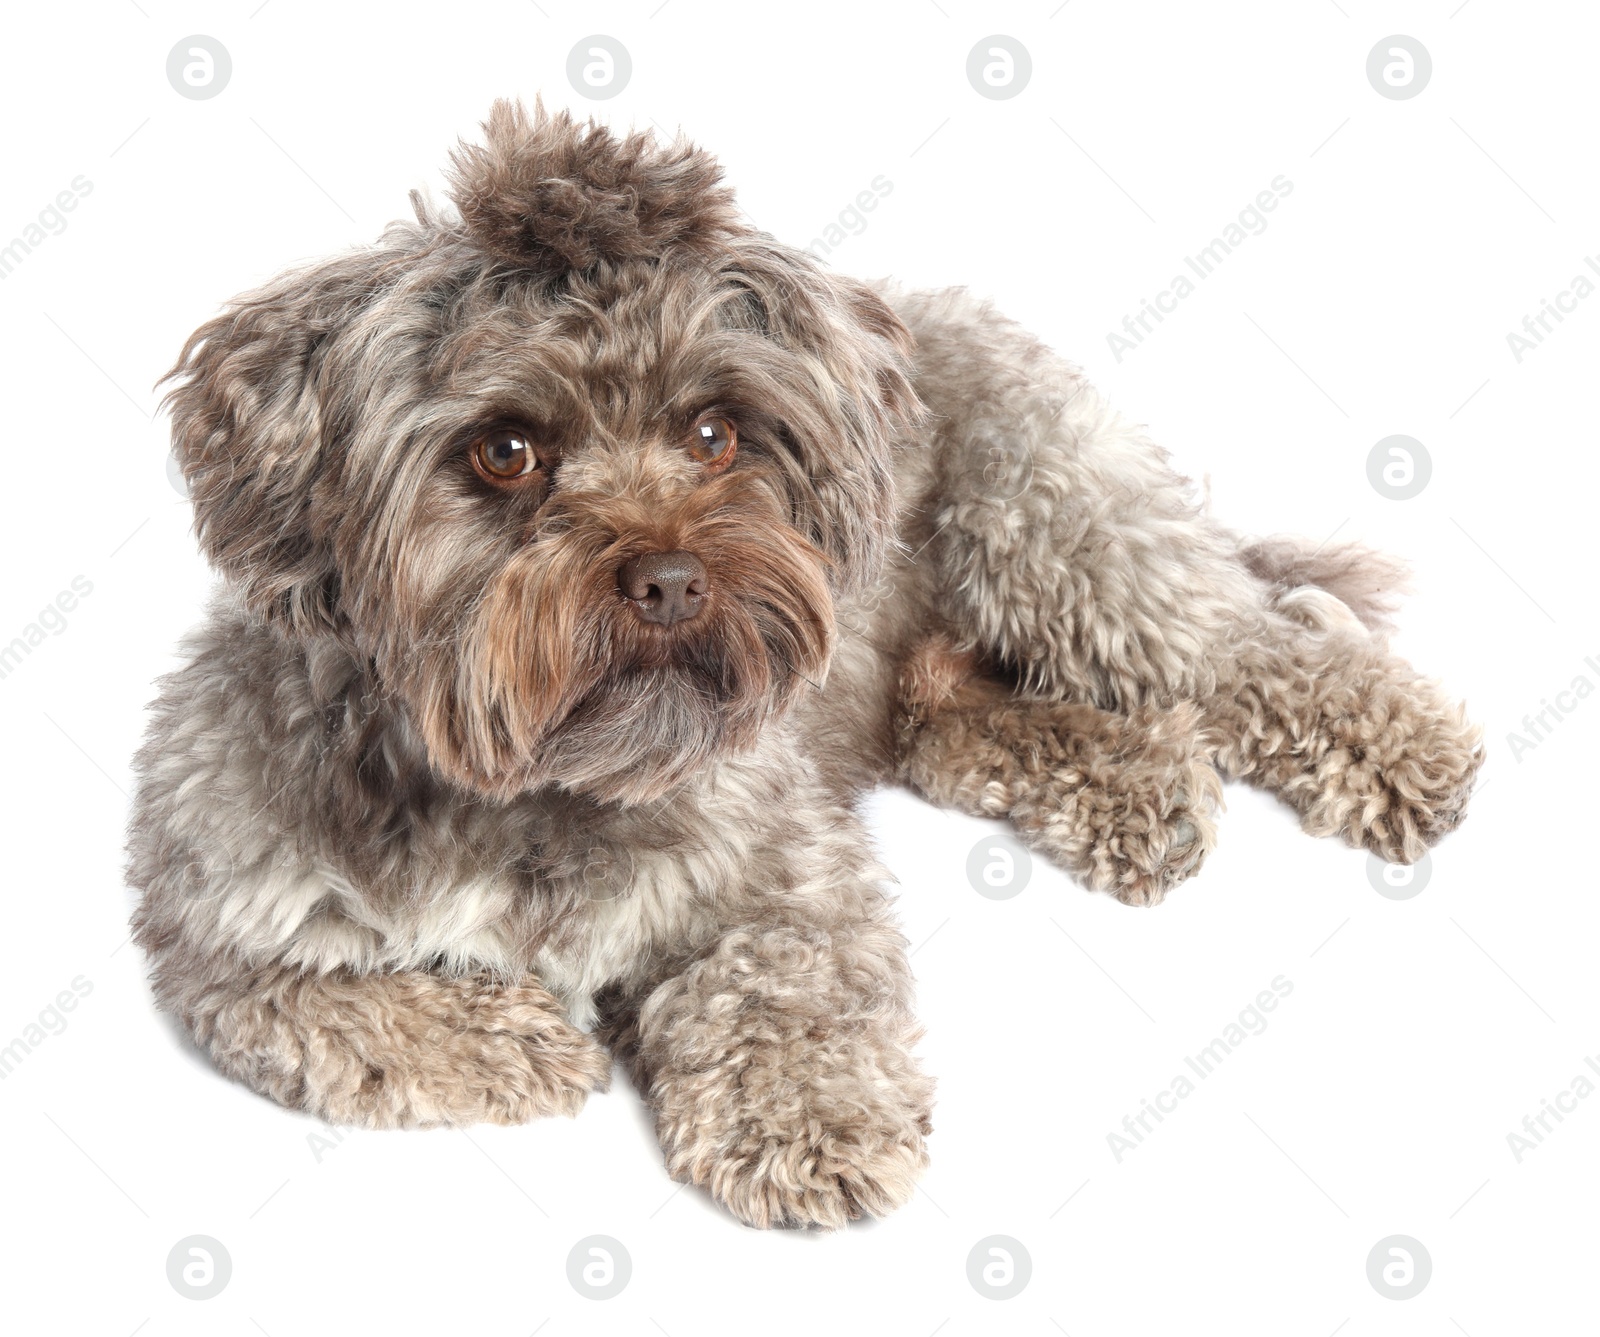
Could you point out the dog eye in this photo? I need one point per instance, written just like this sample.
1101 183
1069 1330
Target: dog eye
503 455
713 441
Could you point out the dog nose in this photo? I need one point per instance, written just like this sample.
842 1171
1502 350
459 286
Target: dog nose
665 587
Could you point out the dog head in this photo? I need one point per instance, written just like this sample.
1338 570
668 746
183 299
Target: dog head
579 472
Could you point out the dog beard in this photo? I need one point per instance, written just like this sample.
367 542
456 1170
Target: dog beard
558 681
641 732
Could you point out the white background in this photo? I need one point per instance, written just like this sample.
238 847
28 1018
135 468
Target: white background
1419 1032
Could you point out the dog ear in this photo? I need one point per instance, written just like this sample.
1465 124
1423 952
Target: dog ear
253 411
857 351
548 194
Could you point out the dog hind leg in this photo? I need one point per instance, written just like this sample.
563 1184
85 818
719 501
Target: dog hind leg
1063 548
1351 736
1054 535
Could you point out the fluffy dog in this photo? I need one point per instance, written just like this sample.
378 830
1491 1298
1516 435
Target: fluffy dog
585 554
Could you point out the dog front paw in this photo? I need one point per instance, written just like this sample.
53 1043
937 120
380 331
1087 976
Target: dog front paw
406 1049
794 1160
780 1070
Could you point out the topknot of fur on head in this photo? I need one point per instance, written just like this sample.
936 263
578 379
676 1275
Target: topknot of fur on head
546 193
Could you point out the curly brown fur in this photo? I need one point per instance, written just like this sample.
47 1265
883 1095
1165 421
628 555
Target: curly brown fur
1352 737
548 194
780 1067
1123 802
435 792
401 1050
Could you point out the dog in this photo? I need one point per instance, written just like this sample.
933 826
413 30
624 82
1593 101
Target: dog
586 553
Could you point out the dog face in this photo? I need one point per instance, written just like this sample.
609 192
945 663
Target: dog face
580 473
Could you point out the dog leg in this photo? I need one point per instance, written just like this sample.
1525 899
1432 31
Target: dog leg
1051 532
1124 803
778 1062
1349 735
404 1049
